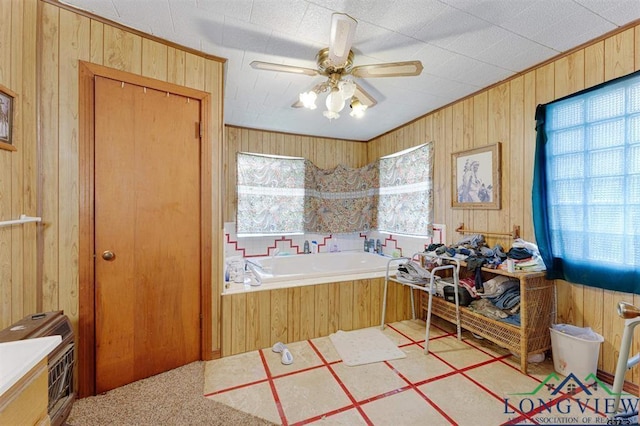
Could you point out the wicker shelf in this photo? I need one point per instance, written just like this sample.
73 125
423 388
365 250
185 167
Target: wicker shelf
537 313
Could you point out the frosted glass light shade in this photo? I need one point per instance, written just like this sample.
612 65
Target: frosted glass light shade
308 99
331 115
357 108
348 88
335 101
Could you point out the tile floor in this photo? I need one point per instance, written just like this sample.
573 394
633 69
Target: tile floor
460 382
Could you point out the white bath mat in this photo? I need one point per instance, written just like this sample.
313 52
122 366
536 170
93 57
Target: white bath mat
365 346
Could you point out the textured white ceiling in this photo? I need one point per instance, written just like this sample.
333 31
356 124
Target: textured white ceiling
464 45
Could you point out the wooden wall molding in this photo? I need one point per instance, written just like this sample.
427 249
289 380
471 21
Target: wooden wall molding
133 30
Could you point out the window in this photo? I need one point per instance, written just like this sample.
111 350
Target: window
270 194
405 204
586 193
284 195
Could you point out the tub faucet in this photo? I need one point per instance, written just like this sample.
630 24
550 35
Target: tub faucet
371 246
306 247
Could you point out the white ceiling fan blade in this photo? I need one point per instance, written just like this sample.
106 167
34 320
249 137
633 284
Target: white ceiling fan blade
343 30
364 98
391 69
268 66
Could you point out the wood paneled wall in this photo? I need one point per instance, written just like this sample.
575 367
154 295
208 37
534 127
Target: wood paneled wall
501 113
20 294
257 320
41 44
506 113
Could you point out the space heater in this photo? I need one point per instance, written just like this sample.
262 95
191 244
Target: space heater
61 359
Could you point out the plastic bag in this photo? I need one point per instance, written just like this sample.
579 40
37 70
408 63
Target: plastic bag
585 333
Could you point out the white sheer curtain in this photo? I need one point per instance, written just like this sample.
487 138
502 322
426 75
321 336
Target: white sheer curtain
284 195
271 194
405 204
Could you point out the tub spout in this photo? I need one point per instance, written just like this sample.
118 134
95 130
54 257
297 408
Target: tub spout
253 266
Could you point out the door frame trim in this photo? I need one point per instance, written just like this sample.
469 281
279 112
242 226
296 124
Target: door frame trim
86 256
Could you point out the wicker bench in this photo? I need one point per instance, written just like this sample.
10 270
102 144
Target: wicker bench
537 313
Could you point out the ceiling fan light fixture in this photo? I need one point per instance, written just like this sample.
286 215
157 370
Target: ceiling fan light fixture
348 88
335 104
357 108
335 101
331 115
308 99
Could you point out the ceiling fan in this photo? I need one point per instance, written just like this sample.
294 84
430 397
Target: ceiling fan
336 63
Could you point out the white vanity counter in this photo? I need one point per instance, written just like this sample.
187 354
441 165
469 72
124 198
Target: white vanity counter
19 357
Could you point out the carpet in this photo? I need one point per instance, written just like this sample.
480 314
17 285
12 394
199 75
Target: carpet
365 346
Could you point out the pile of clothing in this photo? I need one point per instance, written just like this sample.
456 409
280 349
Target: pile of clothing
412 273
526 256
476 253
500 300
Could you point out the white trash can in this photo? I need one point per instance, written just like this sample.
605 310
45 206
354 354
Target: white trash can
575 350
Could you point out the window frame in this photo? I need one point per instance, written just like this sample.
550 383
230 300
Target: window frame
592 269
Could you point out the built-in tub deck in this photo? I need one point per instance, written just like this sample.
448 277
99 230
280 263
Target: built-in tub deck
309 303
270 273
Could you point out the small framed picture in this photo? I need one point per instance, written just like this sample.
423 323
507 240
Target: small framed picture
476 178
6 119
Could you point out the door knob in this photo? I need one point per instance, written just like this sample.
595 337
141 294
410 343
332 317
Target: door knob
108 255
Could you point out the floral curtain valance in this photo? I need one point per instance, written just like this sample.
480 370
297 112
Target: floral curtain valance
279 195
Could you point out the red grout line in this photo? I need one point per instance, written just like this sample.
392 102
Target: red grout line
323 415
342 385
492 393
232 388
279 376
324 241
274 392
462 371
422 394
420 343
390 239
315 367
358 404
481 349
401 333
413 385
235 244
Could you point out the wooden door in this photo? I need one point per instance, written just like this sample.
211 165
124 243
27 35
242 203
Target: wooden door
147 214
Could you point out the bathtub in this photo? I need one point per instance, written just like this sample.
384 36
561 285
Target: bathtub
309 269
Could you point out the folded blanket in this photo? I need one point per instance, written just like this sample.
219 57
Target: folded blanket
498 285
411 272
508 299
